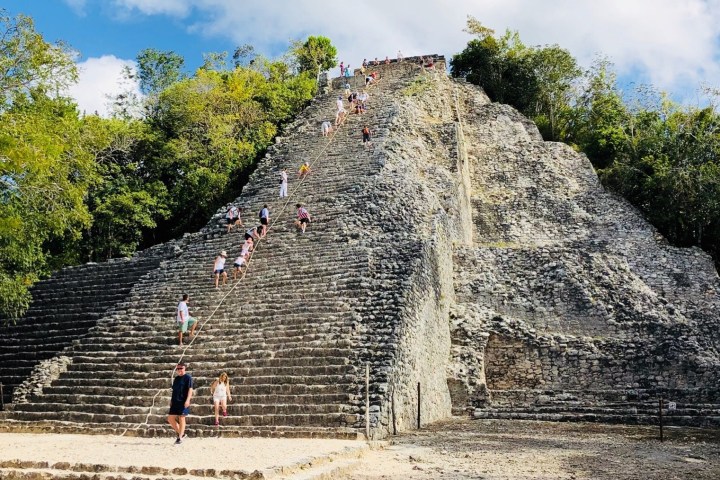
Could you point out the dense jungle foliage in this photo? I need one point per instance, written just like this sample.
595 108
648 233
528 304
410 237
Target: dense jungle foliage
661 156
77 188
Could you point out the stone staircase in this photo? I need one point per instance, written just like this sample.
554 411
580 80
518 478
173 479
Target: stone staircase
629 407
290 334
64 309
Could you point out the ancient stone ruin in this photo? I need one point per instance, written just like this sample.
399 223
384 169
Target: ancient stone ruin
470 266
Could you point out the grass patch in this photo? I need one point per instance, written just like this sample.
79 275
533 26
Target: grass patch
416 87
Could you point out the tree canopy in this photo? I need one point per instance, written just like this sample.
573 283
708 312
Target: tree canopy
75 188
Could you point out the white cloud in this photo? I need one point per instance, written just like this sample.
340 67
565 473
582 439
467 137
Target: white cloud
78 6
178 8
100 78
673 44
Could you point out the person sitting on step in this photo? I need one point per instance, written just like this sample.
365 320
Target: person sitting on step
304 170
219 269
220 389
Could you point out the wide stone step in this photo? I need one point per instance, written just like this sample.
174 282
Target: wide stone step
151 370
147 401
132 383
202 407
230 361
240 390
196 430
628 419
320 420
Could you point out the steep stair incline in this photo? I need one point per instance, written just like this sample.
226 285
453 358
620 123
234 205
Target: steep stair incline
287 334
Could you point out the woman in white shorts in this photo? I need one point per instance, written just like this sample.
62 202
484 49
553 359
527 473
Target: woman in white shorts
220 389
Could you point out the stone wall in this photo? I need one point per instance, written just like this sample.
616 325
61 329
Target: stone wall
566 286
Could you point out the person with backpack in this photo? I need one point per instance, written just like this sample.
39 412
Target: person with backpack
366 136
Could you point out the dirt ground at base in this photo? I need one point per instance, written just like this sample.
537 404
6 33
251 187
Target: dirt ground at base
494 450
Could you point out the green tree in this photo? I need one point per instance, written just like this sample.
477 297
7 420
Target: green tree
503 66
599 121
157 70
44 175
556 72
29 62
212 127
315 55
124 203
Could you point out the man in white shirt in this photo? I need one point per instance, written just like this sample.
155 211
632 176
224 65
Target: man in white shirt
283 183
184 320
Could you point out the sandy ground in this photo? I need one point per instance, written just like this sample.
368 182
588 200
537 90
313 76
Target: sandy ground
494 450
247 454
458 449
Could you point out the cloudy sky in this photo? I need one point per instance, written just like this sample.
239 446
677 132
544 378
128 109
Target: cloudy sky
673 44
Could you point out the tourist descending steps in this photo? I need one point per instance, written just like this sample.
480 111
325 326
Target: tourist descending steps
184 320
219 269
303 218
220 389
182 393
283 183
264 220
232 216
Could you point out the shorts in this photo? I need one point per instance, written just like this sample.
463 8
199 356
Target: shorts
219 399
183 327
248 236
219 272
264 221
366 137
230 221
237 265
304 220
179 409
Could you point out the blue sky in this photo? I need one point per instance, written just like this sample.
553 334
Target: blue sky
673 44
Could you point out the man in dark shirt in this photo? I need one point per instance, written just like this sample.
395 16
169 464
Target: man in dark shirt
182 392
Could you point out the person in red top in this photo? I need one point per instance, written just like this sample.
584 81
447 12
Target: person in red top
303 218
366 136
